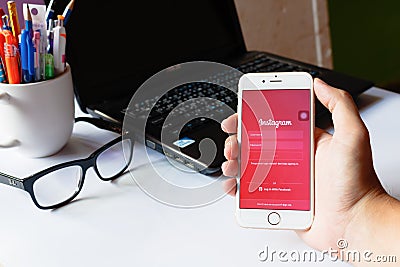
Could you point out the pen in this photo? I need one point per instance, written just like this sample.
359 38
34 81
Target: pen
11 58
50 37
26 40
49 58
36 45
24 55
42 53
67 11
2 42
2 73
49 12
14 21
60 39
29 44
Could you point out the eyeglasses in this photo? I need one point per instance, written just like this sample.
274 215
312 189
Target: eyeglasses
56 186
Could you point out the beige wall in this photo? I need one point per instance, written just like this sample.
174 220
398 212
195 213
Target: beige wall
297 29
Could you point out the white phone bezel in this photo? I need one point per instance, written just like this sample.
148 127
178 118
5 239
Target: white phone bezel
289 219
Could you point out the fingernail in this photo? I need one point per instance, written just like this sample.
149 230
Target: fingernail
227 141
223 166
222 125
227 148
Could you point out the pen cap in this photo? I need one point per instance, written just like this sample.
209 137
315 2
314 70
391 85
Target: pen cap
60 22
5 22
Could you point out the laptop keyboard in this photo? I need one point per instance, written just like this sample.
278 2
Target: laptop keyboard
266 64
191 104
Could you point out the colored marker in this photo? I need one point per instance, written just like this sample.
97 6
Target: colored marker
67 11
60 39
49 12
11 58
14 21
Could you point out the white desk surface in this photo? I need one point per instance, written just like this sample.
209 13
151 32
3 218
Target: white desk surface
117 224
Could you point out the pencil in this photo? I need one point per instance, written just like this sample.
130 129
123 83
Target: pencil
68 10
14 21
49 12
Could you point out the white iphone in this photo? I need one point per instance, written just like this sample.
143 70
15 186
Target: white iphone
276 143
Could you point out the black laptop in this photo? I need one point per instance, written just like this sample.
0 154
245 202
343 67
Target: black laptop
113 48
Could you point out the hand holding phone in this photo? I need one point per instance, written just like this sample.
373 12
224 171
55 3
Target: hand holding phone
276 143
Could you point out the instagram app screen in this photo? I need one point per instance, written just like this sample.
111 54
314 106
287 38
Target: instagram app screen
275 150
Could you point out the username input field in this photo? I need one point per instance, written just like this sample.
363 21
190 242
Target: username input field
279 134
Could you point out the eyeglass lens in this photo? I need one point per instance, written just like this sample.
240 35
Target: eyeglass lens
57 186
114 159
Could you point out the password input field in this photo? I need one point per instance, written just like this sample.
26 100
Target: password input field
279 145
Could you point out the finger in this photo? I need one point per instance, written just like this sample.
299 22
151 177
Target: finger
230 168
231 150
230 186
345 116
229 125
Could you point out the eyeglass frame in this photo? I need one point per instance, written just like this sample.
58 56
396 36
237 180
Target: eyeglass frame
26 184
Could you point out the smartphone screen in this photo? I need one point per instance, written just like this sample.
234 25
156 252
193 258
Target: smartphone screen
275 150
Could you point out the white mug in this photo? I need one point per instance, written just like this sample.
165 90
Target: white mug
37 118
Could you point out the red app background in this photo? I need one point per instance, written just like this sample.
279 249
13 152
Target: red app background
275 150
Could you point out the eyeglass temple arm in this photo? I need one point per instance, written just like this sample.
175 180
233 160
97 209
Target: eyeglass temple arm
11 181
102 124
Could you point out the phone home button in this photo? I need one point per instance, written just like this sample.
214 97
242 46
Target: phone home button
274 218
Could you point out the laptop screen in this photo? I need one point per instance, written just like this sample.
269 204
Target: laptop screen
113 47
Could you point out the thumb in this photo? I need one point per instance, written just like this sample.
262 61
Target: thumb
345 116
